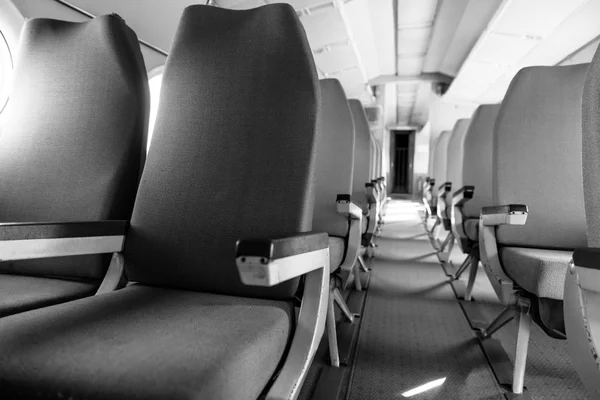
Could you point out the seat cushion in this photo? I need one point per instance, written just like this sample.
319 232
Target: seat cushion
538 271
23 293
145 343
337 249
471 227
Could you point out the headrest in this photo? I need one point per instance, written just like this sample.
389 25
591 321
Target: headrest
233 150
537 156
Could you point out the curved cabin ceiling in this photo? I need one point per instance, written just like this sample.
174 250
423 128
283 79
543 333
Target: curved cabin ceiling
476 45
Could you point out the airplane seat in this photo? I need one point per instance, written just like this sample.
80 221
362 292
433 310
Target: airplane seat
475 189
527 237
204 320
336 211
440 164
454 157
582 284
71 148
363 189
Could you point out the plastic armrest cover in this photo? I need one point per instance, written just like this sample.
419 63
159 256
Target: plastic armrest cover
512 214
268 262
587 258
346 204
31 240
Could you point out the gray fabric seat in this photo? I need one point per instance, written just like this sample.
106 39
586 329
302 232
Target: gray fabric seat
72 143
362 145
337 249
335 166
202 343
471 227
21 293
455 156
538 271
239 86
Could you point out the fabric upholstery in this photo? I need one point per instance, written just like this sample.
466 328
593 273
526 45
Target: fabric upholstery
233 150
471 228
538 271
72 135
362 143
456 146
145 343
20 293
432 146
335 158
591 151
440 159
478 153
537 159
337 250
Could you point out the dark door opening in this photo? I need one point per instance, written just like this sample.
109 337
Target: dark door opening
402 149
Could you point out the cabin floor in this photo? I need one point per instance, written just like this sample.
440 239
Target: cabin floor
415 333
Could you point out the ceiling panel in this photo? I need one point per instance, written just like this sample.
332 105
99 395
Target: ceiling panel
413 40
336 59
537 18
412 12
324 27
446 22
473 22
410 66
503 49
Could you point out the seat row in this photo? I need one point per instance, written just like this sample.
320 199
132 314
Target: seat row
516 187
174 274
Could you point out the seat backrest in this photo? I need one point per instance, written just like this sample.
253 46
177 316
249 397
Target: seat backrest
477 159
440 158
432 146
591 150
233 150
537 157
362 143
335 158
455 156
73 134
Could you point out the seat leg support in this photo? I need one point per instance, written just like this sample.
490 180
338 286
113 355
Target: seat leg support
463 267
334 354
337 297
507 315
522 345
357 282
474 256
363 266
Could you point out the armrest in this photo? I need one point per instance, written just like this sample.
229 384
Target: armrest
445 187
463 195
512 214
346 204
268 262
371 193
588 258
27 240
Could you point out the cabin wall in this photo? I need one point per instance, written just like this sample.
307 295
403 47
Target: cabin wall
51 9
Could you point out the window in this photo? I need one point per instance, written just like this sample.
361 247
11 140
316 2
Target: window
155 83
5 71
